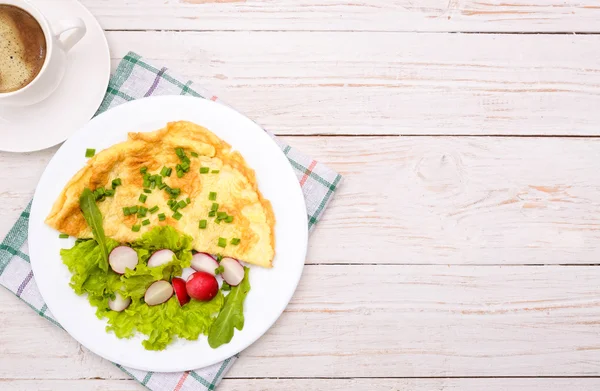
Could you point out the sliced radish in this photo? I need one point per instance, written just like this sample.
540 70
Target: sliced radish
233 272
186 273
160 257
122 258
202 262
158 293
180 291
202 286
119 303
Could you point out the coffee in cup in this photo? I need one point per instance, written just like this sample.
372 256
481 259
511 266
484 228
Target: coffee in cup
22 48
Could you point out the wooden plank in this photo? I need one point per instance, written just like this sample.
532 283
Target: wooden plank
409 384
431 200
70 385
372 15
390 83
380 321
494 384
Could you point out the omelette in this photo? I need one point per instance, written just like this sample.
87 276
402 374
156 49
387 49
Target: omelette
183 176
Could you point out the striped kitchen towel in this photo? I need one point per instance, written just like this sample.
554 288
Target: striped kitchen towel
136 78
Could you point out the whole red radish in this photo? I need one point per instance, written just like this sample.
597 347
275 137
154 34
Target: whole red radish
180 291
202 286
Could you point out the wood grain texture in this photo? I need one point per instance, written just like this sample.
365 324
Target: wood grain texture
383 321
390 83
585 384
364 15
431 200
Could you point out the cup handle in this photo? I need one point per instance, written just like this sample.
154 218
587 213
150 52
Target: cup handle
74 27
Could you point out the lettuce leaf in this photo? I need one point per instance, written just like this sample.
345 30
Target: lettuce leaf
86 264
161 323
231 316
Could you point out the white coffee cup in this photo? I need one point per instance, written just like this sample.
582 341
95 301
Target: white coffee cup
59 40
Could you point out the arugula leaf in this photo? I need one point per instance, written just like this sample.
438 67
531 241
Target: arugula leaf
231 316
92 215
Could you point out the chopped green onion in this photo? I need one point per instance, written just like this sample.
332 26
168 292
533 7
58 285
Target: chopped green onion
202 224
177 215
133 209
235 241
148 191
187 200
182 204
185 166
158 180
179 174
90 152
126 211
100 191
219 258
152 185
63 236
212 213
229 219
219 270
109 193
143 170
136 228
143 198
170 202
215 171
116 182
194 154
164 171
174 207
169 171
222 242
146 183
204 170
225 287
179 152
162 185
221 215
154 209
161 217
146 222
212 196
214 207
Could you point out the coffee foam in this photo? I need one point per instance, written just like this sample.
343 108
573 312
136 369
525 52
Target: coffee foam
22 48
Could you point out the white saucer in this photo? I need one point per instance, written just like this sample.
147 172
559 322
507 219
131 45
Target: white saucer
76 99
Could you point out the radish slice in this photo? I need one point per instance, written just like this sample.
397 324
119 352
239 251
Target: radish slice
180 291
122 258
160 258
158 293
119 303
233 272
202 262
187 272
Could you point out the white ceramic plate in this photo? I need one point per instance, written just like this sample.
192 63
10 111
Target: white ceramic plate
77 97
271 288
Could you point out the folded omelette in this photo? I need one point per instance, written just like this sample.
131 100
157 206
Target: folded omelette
183 176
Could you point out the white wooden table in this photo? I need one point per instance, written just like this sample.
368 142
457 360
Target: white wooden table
462 251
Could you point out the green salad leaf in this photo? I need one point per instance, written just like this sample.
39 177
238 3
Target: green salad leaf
93 217
160 323
84 262
231 316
